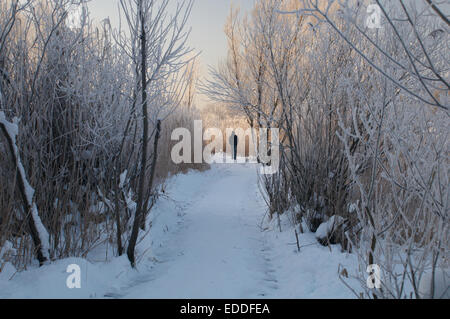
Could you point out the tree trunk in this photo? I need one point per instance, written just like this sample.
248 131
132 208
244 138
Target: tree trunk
117 213
152 171
140 203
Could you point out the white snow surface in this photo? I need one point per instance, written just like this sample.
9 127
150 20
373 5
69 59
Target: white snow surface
209 238
441 286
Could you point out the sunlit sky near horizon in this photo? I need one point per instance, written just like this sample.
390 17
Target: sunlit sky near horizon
207 22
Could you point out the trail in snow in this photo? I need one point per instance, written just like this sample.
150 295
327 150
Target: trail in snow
205 241
218 251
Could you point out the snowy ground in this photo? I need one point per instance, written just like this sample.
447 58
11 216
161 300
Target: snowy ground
208 240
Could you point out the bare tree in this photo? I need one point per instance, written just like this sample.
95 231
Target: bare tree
157 48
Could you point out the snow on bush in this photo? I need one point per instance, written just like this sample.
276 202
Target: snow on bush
11 129
329 231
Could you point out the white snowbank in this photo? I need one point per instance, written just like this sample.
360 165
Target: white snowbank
441 284
312 272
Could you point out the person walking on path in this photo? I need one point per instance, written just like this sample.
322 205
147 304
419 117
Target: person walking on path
234 143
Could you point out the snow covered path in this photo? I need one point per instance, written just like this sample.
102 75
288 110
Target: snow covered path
205 241
218 251
221 251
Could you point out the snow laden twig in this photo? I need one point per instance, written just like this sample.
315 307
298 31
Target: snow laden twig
37 230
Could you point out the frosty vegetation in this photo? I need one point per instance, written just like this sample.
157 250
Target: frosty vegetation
85 137
87 111
363 117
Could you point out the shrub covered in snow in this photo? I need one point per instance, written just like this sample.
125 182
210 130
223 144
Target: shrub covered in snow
79 137
332 232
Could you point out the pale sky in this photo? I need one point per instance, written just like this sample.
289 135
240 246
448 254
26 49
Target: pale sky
207 21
